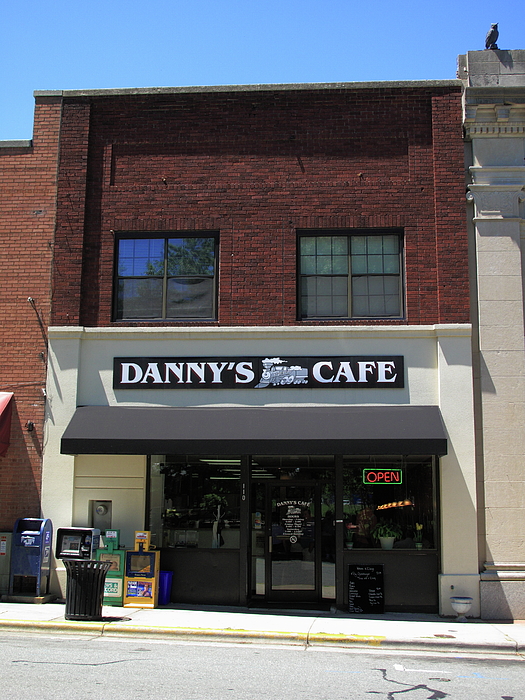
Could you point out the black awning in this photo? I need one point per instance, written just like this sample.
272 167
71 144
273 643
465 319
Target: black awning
256 430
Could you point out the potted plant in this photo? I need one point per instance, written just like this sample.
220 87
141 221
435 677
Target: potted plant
418 537
387 531
349 535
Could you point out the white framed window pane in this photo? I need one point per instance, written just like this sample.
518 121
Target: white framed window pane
391 264
340 305
308 306
324 245
191 256
190 298
359 264
340 286
308 264
390 245
391 285
324 306
375 264
392 305
375 285
340 245
324 265
140 298
324 286
358 245
360 306
375 245
307 245
340 264
360 285
309 286
140 257
377 305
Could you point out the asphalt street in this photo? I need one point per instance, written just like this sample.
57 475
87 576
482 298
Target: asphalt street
49 665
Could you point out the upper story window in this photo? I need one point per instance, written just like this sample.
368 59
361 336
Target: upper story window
350 275
172 277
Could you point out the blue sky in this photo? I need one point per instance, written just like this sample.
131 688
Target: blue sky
58 45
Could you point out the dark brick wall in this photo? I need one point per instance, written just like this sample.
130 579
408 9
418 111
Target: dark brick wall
27 220
257 167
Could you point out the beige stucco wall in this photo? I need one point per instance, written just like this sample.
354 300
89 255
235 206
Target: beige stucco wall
438 372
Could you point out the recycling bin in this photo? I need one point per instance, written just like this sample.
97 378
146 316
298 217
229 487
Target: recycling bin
85 588
165 580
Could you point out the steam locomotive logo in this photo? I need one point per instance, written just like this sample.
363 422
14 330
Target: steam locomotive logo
277 375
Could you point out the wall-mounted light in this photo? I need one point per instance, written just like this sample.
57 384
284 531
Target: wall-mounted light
30 426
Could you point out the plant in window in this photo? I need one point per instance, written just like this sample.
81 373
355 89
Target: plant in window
350 530
212 501
386 528
418 537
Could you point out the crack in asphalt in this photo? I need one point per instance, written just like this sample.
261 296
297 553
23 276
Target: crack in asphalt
408 688
68 663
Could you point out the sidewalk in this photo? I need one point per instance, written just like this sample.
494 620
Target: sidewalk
390 631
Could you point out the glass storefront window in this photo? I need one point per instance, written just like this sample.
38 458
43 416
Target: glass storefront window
389 496
293 467
195 501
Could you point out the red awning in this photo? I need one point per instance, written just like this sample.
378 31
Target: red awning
6 408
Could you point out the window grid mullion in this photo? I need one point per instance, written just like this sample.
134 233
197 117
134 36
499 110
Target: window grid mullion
165 281
350 280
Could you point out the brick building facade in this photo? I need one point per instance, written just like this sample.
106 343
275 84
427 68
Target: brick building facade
260 294
258 165
27 225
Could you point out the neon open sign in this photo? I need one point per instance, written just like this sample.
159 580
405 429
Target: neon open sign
382 476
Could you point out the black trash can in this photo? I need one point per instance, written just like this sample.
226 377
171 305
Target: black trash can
85 588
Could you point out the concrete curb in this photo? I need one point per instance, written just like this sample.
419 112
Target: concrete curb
356 641
52 626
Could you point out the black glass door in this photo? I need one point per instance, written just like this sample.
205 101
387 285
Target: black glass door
292 552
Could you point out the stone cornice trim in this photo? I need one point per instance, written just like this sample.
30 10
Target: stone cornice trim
502 178
492 130
489 120
514 571
258 87
271 333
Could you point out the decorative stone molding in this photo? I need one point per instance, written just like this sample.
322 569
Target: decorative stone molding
490 120
496 201
492 130
503 572
508 176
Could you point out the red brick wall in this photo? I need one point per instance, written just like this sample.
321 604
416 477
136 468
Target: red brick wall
27 220
257 167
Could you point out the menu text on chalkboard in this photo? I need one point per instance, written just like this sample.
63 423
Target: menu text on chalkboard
366 591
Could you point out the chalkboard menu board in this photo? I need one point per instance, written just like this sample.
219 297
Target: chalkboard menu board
366 591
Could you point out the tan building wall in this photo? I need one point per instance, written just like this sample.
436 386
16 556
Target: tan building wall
494 121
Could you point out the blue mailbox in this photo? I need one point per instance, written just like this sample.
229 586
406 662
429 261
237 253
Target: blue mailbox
30 557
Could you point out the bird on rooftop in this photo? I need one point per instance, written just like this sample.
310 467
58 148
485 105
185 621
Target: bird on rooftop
492 37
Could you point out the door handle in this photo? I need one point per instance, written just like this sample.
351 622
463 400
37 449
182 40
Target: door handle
270 543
